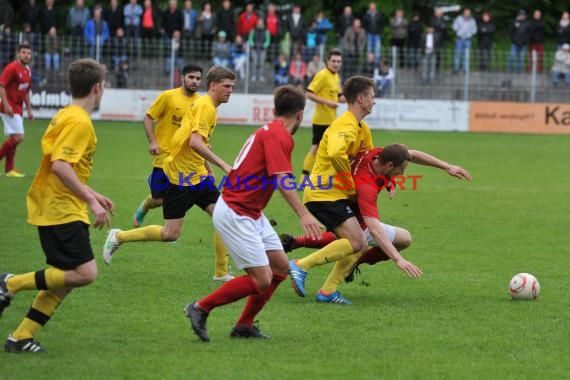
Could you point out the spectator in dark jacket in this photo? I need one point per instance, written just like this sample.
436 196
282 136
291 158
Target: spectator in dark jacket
297 28
226 20
31 13
520 36
440 30
372 25
49 16
536 40
415 33
114 17
399 27
486 30
563 30
172 20
345 21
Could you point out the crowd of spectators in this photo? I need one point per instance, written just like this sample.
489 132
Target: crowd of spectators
290 41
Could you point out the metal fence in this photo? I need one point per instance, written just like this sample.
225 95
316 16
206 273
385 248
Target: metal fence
155 63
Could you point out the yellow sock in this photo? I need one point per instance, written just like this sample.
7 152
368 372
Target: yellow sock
39 314
309 162
51 278
148 233
221 261
333 252
339 272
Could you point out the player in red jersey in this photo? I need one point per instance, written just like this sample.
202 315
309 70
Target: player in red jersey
15 84
372 172
263 165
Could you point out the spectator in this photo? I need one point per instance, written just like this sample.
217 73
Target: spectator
259 40
561 65
323 26
314 66
311 42
354 45
272 23
132 13
123 75
399 27
536 39
415 34
383 77
372 24
298 71
465 28
430 45
6 13
520 34
247 21
563 30
281 71
226 20
172 19
119 47
176 50
297 28
239 56
486 31
29 37
49 16
31 13
7 47
51 55
369 65
440 30
77 18
207 24
96 33
221 50
149 20
114 17
190 21
345 22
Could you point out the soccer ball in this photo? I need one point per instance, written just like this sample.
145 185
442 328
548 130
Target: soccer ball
524 286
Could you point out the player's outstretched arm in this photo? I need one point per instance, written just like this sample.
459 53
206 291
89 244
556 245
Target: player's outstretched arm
197 143
422 158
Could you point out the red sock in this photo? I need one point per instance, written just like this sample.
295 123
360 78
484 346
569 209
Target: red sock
10 159
233 290
7 146
372 256
256 302
306 241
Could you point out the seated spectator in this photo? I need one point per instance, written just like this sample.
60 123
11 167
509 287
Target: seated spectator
96 33
323 25
314 66
370 66
221 50
239 56
298 71
281 73
383 76
561 65
51 55
123 75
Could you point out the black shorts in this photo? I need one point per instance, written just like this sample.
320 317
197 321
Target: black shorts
331 214
158 183
318 132
179 199
66 246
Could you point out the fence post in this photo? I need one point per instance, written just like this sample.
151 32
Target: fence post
98 48
171 64
246 84
533 76
395 68
466 76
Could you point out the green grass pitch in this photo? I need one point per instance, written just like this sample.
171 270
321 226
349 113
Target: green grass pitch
456 322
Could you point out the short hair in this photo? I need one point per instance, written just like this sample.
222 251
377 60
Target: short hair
83 74
190 68
335 51
395 153
217 74
355 86
24 46
288 100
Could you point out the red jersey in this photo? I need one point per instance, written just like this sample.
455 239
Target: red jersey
251 183
17 80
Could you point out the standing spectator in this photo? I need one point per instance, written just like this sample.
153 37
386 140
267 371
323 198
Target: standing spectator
399 27
323 26
297 28
226 20
311 42
76 20
520 35
259 40
239 56
51 55
561 65
314 66
96 33
430 46
176 50
190 21
221 50
31 13
149 20
298 70
372 24
486 31
281 70
207 24
172 19
7 46
6 13
563 30
114 17
465 28
383 76
354 45
274 28
132 13
247 21
536 40
119 49
345 21
415 34
440 30
49 16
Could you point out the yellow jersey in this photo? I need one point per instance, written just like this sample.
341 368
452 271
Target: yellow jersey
168 110
331 176
184 166
69 137
326 85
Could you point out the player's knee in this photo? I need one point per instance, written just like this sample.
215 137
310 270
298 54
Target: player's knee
19 138
87 276
263 281
404 239
358 245
156 202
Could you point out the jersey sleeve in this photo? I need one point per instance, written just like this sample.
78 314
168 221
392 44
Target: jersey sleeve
316 83
366 197
157 107
72 142
278 154
204 119
339 142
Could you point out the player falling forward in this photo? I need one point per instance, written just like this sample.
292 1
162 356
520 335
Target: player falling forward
238 217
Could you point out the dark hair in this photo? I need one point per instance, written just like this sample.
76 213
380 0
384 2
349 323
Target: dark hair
288 100
24 46
217 74
83 74
395 153
334 51
355 86
191 69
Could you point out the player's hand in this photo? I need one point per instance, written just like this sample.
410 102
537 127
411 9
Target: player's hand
311 226
333 104
153 148
392 193
8 110
226 168
459 172
107 203
409 268
101 216
30 115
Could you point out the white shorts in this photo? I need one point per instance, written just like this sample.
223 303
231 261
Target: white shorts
13 125
247 239
390 231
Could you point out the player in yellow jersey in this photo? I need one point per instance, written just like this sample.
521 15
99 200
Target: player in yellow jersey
332 192
187 169
325 91
57 204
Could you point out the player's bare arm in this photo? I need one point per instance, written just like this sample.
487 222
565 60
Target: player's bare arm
7 107
153 147
317 99
197 143
422 158
28 104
